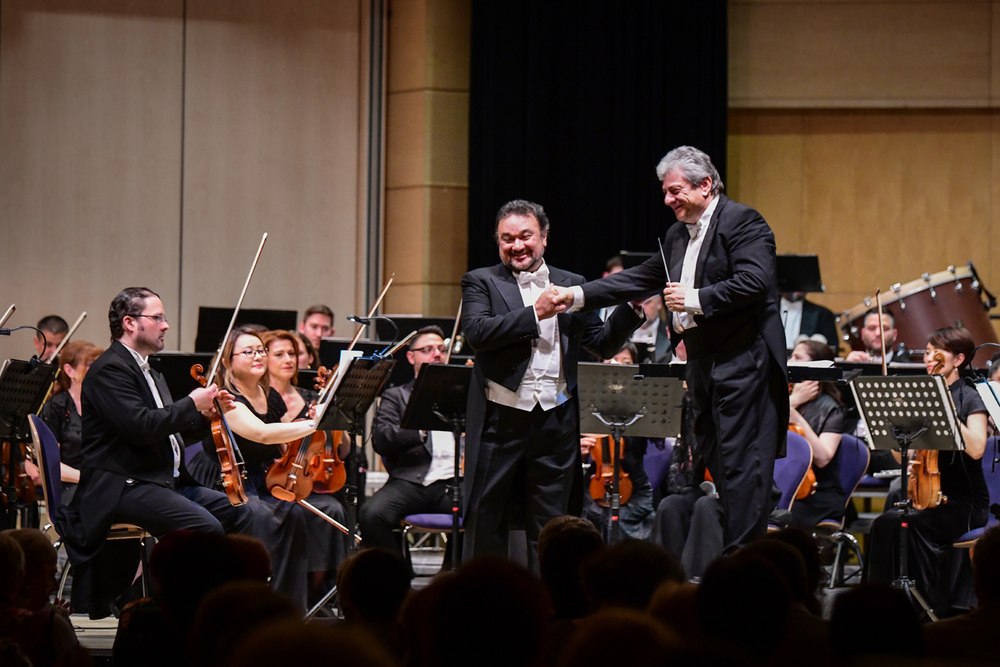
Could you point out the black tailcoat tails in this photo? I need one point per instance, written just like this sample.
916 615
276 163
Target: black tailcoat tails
736 355
516 459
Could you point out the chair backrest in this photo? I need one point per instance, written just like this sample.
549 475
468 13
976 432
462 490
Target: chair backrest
659 453
48 453
791 470
854 458
992 478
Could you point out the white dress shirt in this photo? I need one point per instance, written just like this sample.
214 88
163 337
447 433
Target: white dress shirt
442 457
692 302
791 313
144 366
543 383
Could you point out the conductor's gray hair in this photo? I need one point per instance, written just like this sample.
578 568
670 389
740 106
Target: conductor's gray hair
693 164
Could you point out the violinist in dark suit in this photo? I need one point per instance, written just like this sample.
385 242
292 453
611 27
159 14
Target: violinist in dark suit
523 422
132 453
421 465
723 298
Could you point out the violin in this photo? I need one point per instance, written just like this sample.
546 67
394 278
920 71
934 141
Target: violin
233 472
309 462
604 471
808 485
24 487
924 484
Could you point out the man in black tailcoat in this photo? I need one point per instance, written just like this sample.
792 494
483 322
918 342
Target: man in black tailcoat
523 420
722 295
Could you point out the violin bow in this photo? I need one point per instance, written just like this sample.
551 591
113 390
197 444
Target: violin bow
881 331
6 315
454 332
69 334
357 335
236 311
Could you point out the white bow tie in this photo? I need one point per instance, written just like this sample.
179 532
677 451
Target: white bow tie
144 365
694 229
539 277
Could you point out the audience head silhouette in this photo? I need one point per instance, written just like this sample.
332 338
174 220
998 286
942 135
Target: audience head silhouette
563 545
628 573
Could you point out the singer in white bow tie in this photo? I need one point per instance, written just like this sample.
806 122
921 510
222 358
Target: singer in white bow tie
523 425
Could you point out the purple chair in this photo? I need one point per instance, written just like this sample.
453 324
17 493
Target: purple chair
48 452
438 523
968 540
853 461
659 453
791 470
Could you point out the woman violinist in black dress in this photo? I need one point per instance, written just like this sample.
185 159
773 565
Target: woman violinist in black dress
932 531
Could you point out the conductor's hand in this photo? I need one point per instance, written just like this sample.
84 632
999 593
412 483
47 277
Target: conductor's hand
563 296
203 397
545 306
674 295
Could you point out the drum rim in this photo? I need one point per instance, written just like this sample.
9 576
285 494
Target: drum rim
915 287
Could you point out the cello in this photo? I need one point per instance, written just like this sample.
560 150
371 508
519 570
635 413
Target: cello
293 475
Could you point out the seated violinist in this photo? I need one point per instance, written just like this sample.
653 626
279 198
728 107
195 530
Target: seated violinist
636 512
421 465
255 418
61 413
818 415
933 530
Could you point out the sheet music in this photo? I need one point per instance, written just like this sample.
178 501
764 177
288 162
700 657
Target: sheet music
346 357
990 393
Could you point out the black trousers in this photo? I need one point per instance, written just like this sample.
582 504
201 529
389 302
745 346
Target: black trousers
399 498
525 469
160 510
99 581
942 578
689 524
736 427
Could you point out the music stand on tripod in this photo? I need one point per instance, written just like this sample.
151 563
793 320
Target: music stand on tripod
614 399
898 412
359 385
23 386
438 403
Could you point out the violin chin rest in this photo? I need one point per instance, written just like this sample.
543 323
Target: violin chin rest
283 494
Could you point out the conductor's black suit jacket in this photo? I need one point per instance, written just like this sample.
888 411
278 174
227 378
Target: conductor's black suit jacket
501 329
125 436
736 275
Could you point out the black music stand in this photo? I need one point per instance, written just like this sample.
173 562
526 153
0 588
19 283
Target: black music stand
438 403
23 387
614 398
897 412
361 384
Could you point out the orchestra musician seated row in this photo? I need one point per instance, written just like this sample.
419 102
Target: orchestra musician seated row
932 531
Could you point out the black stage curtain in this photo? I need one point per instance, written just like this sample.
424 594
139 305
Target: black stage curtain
574 102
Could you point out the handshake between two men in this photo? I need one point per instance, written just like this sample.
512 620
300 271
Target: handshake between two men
556 299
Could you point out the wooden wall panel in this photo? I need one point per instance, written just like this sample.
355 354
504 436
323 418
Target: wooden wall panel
271 144
880 53
884 196
90 158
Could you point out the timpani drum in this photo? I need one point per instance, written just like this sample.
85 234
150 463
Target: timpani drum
953 297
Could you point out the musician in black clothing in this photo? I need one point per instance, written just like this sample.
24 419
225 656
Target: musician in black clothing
817 410
61 413
421 465
932 531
